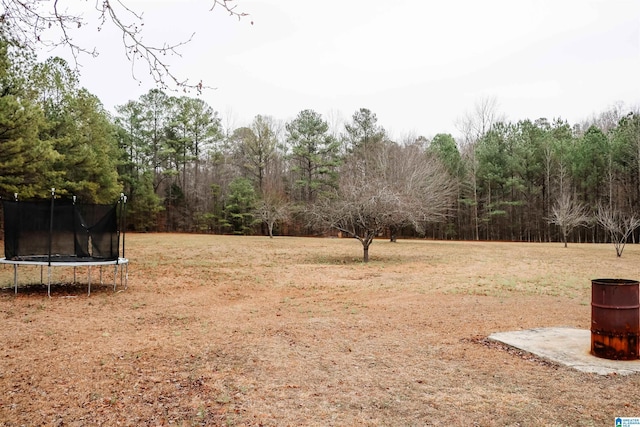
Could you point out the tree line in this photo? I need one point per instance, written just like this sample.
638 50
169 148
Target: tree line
183 169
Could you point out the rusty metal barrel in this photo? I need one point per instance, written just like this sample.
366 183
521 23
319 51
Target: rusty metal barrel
615 318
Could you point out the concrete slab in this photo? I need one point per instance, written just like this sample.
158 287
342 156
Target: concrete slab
566 346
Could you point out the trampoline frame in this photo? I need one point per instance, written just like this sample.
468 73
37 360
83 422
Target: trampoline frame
124 271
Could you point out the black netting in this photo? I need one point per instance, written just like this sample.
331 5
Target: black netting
72 233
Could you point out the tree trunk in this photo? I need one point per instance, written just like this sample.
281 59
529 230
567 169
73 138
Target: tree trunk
366 242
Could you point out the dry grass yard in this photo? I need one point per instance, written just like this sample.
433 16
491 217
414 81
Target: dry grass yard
252 331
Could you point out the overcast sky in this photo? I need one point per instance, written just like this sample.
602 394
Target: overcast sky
418 65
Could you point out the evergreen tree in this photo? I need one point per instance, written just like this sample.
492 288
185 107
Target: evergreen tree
194 127
80 130
135 171
364 136
314 155
240 207
255 149
25 160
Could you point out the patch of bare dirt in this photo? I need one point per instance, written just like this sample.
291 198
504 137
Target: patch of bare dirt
251 331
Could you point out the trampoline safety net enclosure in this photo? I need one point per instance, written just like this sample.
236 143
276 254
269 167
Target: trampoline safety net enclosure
60 232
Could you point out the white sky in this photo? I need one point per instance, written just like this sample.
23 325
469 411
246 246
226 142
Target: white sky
418 65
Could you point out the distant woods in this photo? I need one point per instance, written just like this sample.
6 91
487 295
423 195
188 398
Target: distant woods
185 169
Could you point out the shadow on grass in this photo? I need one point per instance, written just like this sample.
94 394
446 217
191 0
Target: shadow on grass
374 260
59 290
334 260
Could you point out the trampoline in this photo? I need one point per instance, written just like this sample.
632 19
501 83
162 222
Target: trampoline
62 233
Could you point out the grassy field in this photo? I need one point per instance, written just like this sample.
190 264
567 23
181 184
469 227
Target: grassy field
252 331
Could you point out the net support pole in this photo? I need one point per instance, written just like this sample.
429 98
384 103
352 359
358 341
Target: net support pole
15 266
124 269
75 228
53 196
123 223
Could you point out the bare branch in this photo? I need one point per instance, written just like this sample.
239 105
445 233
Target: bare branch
568 214
35 23
619 225
26 23
136 49
230 7
273 209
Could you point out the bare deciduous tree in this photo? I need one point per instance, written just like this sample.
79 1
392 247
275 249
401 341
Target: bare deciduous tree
36 23
620 225
359 209
272 210
273 206
568 214
423 182
402 186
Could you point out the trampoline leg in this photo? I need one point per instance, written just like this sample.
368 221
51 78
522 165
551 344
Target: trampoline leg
41 274
126 276
115 276
101 282
89 279
49 284
74 275
15 278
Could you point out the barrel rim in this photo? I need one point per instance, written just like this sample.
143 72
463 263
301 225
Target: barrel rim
609 282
